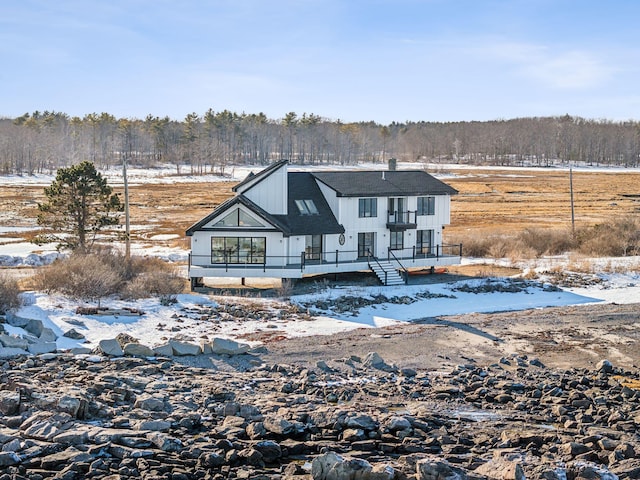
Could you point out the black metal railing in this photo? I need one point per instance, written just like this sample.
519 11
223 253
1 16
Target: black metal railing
403 217
405 272
333 257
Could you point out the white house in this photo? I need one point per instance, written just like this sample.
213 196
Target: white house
286 224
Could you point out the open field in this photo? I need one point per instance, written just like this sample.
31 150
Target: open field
490 202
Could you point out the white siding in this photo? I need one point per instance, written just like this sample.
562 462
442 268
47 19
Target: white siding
331 198
271 192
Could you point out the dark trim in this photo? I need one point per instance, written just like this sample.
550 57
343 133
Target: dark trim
240 229
238 199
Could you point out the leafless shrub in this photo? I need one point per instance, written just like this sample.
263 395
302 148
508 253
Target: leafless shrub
285 289
9 294
80 276
619 237
94 276
157 280
546 241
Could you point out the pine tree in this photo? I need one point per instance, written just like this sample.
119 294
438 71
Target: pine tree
79 205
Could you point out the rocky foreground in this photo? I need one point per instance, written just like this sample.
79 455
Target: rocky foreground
93 416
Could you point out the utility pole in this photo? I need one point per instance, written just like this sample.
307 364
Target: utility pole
127 248
573 218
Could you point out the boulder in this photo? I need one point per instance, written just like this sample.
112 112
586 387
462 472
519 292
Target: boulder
436 469
373 360
500 469
34 326
184 348
138 350
164 350
150 403
111 347
604 366
42 347
332 466
9 402
73 334
9 352
165 442
16 320
12 341
223 346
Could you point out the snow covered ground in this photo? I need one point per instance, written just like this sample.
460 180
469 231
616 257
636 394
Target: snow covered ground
185 320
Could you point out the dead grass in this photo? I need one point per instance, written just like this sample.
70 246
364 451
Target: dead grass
513 214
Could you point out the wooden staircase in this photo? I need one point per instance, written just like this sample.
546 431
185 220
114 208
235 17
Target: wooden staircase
386 272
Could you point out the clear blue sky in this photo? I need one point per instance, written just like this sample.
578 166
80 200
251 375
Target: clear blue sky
353 60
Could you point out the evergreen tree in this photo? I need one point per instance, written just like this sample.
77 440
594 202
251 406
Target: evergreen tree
79 205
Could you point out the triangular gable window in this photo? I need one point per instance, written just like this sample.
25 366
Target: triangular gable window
238 218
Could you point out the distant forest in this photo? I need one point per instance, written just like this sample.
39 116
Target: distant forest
41 142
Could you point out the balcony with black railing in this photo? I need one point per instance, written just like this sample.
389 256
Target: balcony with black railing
401 220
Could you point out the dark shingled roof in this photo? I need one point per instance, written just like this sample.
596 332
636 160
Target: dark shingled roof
394 183
302 186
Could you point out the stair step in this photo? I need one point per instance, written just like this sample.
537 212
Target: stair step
384 269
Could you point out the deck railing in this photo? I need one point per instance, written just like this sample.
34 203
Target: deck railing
335 257
402 217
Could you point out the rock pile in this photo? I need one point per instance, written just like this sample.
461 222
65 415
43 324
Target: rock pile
73 417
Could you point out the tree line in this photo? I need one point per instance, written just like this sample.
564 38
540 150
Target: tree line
42 142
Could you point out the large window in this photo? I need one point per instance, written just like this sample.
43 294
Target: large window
397 240
426 205
424 242
367 207
238 218
238 249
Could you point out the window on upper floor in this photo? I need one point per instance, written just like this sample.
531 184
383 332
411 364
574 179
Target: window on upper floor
306 207
367 207
238 218
426 205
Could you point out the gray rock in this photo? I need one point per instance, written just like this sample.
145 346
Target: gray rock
184 348
365 422
223 346
10 352
604 366
34 326
8 458
269 449
74 406
111 347
73 334
436 469
279 425
165 442
500 469
42 347
12 341
137 350
373 360
16 320
332 466
150 403
164 350
9 402
153 425
72 437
